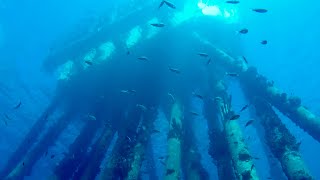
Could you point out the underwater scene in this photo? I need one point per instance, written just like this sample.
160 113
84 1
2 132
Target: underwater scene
159 89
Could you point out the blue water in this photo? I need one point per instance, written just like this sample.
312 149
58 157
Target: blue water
31 29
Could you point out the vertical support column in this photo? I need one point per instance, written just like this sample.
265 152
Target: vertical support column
77 151
25 165
173 162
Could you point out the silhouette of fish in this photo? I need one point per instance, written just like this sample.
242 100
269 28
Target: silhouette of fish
260 10
18 105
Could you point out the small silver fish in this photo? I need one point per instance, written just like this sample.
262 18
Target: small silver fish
175 70
203 54
157 24
88 62
233 2
232 74
260 10
235 117
249 123
264 42
143 58
198 95
142 107
194 113
172 97
91 117
169 4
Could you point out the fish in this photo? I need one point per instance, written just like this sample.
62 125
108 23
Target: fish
128 138
264 42
5 122
235 117
143 58
203 54
91 117
233 2
249 122
161 4
132 91
157 24
128 52
7 117
52 156
198 95
124 91
252 166
177 71
269 177
209 61
245 59
244 108
155 131
163 163
169 4
142 107
170 171
46 153
232 74
88 62
256 158
18 105
23 164
243 31
172 97
260 10
194 113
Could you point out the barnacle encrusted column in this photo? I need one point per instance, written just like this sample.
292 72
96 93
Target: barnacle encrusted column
126 156
240 155
218 143
173 163
143 136
29 139
25 165
260 85
90 168
282 143
77 151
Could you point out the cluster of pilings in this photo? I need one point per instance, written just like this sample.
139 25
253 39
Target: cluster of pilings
127 116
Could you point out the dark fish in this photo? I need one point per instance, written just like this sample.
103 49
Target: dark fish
52 156
264 42
232 74
234 117
259 10
155 131
163 163
18 105
157 24
252 166
88 62
7 117
249 123
169 4
161 157
209 61
170 171
244 108
245 59
177 71
194 113
244 31
5 122
233 2
128 52
269 178
143 58
23 164
198 96
46 153
256 158
161 4
203 54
